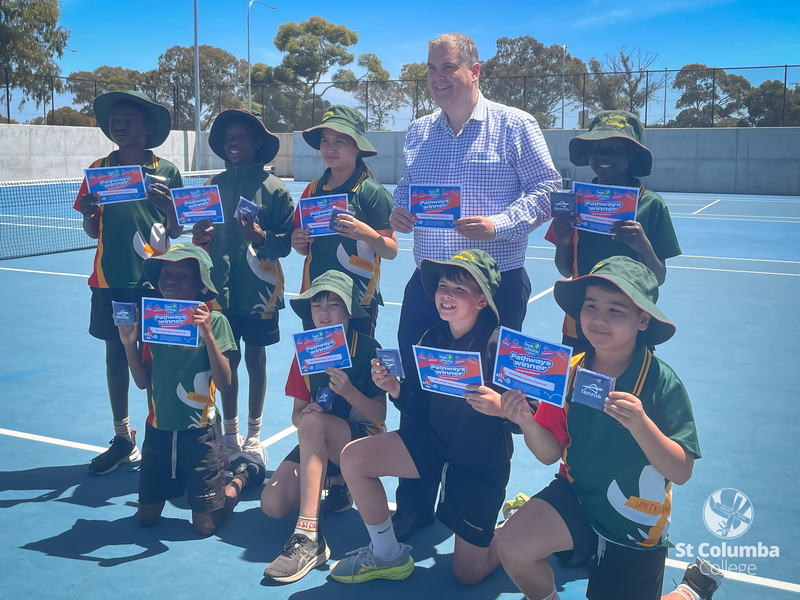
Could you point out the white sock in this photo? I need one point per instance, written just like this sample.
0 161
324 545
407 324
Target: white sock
123 428
384 542
231 431
308 527
687 592
254 427
553 596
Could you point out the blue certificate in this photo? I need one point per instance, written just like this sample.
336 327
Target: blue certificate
116 184
318 349
447 371
169 322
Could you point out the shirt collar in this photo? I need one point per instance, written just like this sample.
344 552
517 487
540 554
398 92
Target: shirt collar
150 160
632 379
479 113
348 186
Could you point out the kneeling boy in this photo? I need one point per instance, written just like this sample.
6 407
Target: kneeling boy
358 409
619 461
183 445
461 442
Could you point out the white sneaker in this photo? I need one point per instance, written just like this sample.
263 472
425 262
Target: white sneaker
232 448
253 451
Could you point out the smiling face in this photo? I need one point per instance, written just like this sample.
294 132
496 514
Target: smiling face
329 309
180 280
339 150
609 160
240 143
610 320
452 83
459 300
128 125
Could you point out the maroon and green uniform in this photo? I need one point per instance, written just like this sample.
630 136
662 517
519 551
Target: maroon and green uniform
249 278
590 248
129 232
371 203
183 390
625 499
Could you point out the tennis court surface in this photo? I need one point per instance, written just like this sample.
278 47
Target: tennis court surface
733 296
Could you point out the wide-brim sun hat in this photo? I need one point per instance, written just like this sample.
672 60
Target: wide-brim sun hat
477 263
270 144
335 282
346 120
152 267
159 114
609 124
633 279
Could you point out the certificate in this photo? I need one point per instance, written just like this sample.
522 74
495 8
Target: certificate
167 321
600 206
116 184
193 204
447 371
537 367
318 349
315 213
435 206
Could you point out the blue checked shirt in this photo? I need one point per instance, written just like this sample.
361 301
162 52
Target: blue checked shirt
502 164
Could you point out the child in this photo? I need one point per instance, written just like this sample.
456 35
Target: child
126 233
461 442
619 463
365 237
613 148
246 271
358 409
182 446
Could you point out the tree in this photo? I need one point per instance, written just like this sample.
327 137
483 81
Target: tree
30 37
528 75
621 81
376 96
66 115
772 105
414 89
709 97
86 85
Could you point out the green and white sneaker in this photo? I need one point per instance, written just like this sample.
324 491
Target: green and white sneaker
362 565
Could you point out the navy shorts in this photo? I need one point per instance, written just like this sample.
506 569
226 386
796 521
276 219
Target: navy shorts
101 321
173 461
254 332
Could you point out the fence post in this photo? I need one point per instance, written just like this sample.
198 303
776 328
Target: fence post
8 98
583 95
95 88
53 98
416 99
713 93
524 92
175 104
219 99
666 77
646 93
313 106
263 111
785 83
366 105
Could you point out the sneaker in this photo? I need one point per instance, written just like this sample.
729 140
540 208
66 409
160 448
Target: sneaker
338 499
362 565
405 523
702 578
297 558
232 448
512 506
122 450
251 450
256 473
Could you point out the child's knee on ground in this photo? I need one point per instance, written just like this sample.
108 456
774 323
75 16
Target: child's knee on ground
149 514
203 523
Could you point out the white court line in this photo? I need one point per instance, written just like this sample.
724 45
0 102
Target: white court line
39 217
547 258
733 271
43 272
745 578
707 206
768 260
540 295
49 440
748 219
279 436
42 226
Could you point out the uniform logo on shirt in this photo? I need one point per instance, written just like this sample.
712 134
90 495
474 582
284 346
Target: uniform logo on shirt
728 513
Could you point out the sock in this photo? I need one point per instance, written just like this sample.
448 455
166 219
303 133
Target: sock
308 527
686 592
231 427
384 542
553 596
254 427
123 428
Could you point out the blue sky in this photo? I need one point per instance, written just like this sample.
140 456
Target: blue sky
720 33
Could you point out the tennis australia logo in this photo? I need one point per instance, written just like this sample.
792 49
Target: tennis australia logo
728 513
593 390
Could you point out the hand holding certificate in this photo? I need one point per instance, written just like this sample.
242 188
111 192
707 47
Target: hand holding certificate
600 206
194 204
447 371
318 349
315 213
435 206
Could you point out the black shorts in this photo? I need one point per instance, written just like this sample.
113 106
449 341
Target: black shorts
199 466
255 332
101 321
357 431
617 571
470 499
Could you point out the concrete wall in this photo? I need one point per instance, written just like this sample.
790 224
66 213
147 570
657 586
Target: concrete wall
30 152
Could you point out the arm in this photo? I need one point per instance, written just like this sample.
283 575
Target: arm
278 229
300 238
401 219
383 242
373 409
632 234
91 215
541 442
563 236
220 366
667 456
140 371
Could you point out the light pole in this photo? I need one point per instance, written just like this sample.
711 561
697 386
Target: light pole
249 84
196 93
563 74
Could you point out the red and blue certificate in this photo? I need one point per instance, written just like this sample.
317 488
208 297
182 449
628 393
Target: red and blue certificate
537 367
315 213
116 184
318 349
193 204
435 206
169 322
447 371
600 206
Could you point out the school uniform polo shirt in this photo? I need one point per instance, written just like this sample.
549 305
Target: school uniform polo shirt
625 499
129 232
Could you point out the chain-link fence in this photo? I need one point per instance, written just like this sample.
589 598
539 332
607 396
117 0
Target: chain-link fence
740 97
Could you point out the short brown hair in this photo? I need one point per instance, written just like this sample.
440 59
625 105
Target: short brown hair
465 46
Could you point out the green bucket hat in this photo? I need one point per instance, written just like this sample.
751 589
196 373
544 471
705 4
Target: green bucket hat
633 279
270 144
345 120
614 124
152 266
337 282
477 263
159 114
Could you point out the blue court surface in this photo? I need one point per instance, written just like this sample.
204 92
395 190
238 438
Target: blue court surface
733 296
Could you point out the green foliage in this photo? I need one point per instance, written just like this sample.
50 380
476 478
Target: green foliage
772 105
709 97
66 115
414 88
621 81
86 85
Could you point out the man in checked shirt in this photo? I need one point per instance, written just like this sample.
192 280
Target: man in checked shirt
498 156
